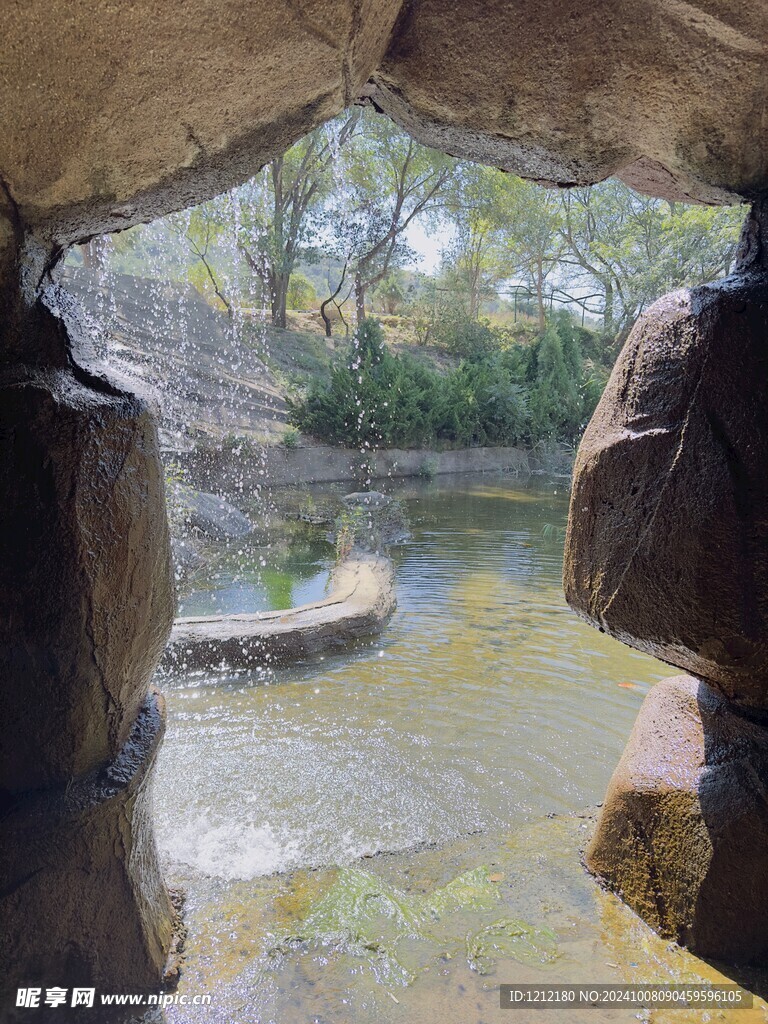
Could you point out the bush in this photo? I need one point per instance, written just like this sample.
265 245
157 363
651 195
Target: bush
462 335
301 292
516 396
375 399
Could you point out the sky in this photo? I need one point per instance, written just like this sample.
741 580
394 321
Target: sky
427 246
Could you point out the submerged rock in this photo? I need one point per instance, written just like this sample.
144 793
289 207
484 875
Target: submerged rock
683 832
211 515
366 499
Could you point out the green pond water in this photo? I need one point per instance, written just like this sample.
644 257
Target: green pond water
254 574
461 745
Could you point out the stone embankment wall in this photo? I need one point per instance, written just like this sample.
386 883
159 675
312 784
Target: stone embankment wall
228 471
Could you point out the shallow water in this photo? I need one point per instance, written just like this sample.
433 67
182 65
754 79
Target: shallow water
245 576
469 736
429 935
486 703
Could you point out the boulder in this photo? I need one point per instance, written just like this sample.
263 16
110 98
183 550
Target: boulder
366 499
157 130
84 901
683 832
86 606
86 591
674 103
668 528
213 516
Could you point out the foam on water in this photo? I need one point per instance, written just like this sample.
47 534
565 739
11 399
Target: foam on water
232 850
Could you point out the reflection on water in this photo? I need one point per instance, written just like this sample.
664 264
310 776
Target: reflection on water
248 575
485 704
484 709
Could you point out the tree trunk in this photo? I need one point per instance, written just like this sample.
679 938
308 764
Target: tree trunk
540 296
326 318
474 298
279 298
359 300
608 320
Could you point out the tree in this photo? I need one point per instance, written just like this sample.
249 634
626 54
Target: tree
556 406
390 292
388 181
301 292
274 221
201 228
474 260
335 297
635 248
534 244
376 399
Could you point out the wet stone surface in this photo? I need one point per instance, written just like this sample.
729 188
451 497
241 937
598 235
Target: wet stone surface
428 935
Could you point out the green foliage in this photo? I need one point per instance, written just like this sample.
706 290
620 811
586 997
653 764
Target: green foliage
475 262
301 292
348 193
388 182
634 248
390 293
462 334
376 399
349 526
510 396
291 438
556 401
346 196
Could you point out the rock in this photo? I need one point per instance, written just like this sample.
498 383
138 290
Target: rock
213 516
366 499
81 878
86 591
674 102
667 84
163 331
180 124
668 529
86 606
360 603
683 832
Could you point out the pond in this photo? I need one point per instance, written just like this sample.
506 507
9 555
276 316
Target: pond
253 575
484 709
